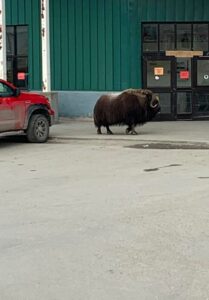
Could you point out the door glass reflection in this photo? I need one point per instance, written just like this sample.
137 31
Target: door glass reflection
184 103
165 103
150 37
202 103
200 37
203 72
184 37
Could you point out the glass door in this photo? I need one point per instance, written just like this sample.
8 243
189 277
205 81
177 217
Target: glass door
17 55
201 84
171 78
184 93
158 76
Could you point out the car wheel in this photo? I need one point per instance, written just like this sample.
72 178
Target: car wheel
38 129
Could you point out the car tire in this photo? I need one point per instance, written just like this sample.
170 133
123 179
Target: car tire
38 129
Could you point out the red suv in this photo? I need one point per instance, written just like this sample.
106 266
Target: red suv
25 112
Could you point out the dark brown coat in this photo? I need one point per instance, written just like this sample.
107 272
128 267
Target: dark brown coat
131 107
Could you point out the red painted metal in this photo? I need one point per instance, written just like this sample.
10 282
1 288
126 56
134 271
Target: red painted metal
15 108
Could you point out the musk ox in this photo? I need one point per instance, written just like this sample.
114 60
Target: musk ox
131 107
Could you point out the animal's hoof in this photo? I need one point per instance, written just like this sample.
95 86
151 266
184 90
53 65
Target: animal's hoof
127 131
109 132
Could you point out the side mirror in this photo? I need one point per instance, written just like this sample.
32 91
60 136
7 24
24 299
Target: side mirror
16 92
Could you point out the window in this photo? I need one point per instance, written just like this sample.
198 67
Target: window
184 103
202 103
159 37
10 40
200 37
184 36
22 40
5 91
150 37
165 103
167 37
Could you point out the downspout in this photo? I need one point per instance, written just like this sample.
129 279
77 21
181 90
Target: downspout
45 43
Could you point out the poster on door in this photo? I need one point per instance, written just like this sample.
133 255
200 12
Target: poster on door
21 76
158 71
184 75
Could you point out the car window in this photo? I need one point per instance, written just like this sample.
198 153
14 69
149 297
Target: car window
5 90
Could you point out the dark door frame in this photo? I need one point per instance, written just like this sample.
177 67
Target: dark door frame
194 90
199 89
170 89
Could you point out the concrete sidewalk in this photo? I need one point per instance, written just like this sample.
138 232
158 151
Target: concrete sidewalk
187 131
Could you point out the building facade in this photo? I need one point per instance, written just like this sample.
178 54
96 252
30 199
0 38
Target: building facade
96 46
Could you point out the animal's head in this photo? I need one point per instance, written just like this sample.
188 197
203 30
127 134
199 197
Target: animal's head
153 104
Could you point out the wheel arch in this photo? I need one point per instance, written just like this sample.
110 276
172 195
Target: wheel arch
36 109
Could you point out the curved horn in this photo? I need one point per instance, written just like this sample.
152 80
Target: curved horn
154 102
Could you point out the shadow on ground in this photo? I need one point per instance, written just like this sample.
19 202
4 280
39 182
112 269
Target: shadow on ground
171 145
12 140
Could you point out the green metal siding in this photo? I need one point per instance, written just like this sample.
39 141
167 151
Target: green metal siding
27 12
96 44
98 50
173 10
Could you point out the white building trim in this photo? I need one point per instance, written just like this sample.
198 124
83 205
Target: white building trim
3 56
45 42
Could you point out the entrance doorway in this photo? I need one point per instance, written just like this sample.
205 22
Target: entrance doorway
181 83
17 55
176 66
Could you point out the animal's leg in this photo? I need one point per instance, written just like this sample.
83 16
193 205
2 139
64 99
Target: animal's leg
133 131
99 130
108 130
128 129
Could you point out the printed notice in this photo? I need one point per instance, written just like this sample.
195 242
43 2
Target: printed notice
184 75
21 76
159 71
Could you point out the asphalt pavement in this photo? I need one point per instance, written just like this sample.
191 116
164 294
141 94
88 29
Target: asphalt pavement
174 131
106 217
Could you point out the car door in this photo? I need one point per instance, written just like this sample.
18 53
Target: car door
12 109
7 119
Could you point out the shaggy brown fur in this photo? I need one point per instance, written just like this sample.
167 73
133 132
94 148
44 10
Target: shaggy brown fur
131 107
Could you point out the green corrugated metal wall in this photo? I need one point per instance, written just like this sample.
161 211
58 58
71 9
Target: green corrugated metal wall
95 44
27 12
174 10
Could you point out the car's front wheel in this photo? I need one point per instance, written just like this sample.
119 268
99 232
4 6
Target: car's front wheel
38 129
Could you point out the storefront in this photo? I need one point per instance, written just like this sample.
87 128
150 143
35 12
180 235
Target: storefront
84 48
